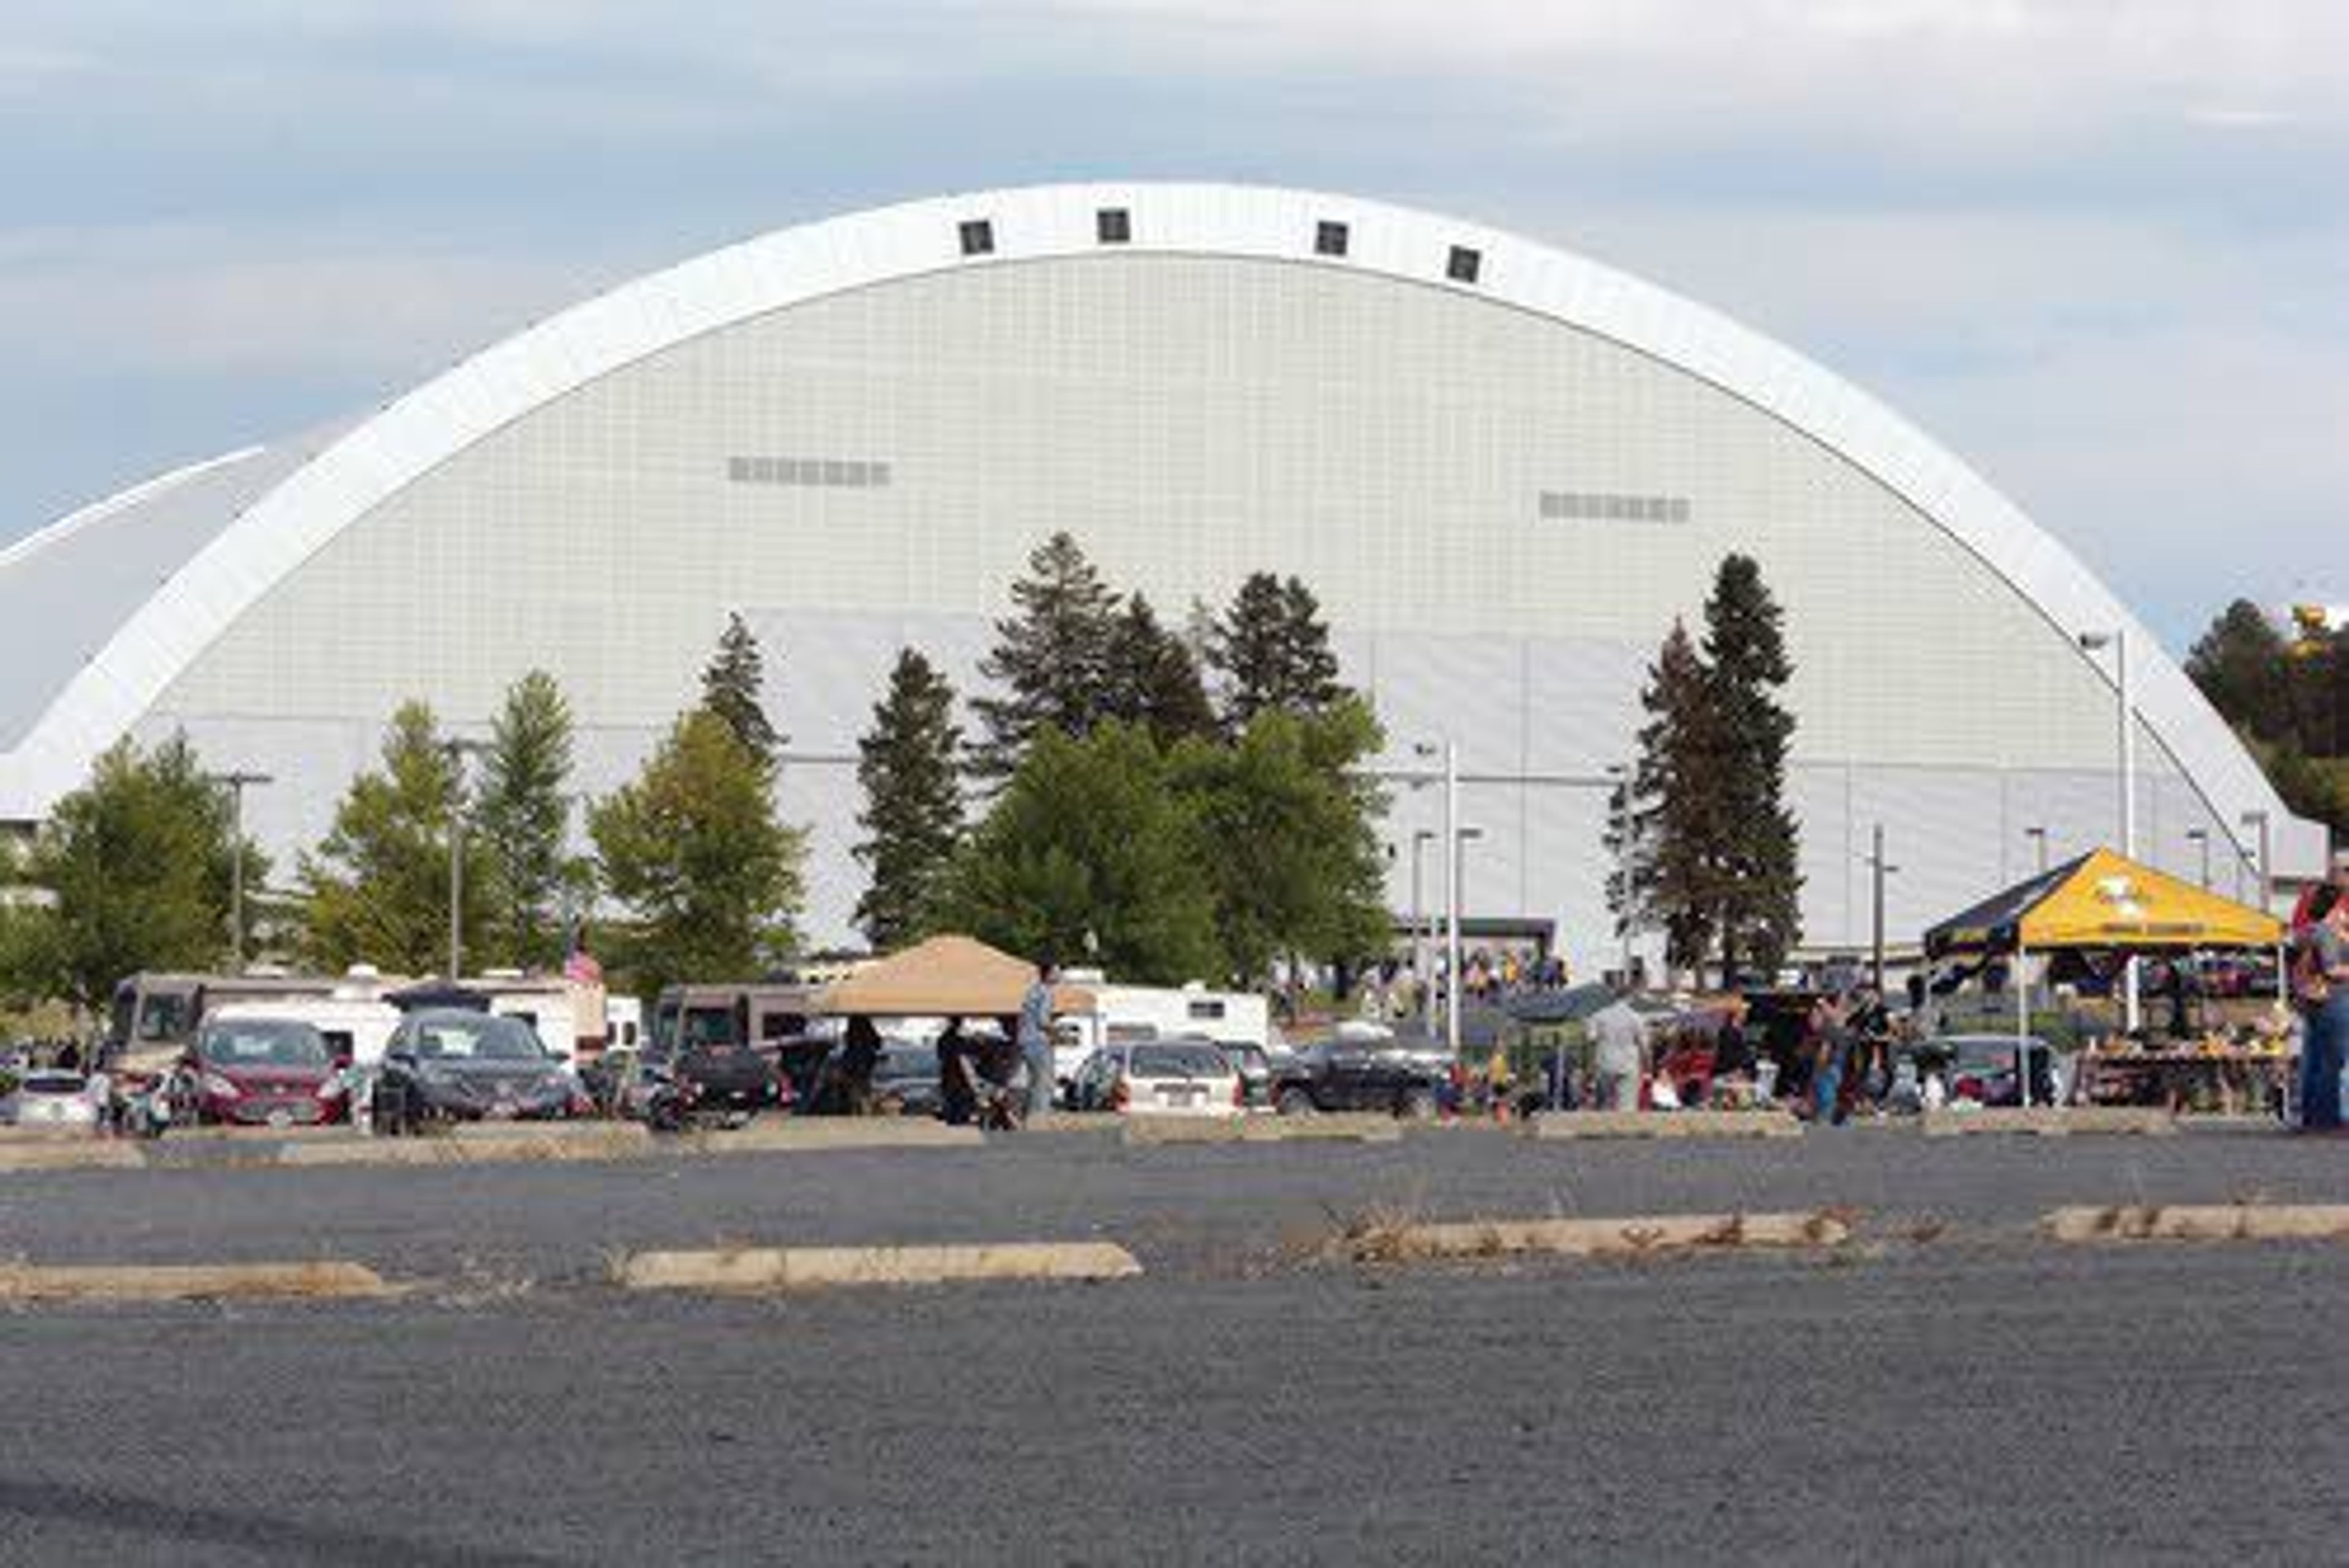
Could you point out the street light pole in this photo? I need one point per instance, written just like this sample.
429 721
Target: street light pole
1880 869
1420 839
235 782
2200 838
1452 897
2039 836
2118 639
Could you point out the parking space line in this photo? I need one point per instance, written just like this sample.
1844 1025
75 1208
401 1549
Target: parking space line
767 1269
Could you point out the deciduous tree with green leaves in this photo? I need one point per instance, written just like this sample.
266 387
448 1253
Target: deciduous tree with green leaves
1289 831
378 885
908 764
1088 854
692 847
134 873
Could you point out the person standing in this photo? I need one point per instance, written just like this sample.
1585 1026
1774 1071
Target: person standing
1830 1029
1036 1036
2321 975
1615 1031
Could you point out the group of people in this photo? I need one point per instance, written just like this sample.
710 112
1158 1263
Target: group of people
2318 974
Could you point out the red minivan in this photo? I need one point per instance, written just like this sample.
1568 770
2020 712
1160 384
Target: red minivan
264 1072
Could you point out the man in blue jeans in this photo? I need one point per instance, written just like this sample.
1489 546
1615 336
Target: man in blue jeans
1036 1036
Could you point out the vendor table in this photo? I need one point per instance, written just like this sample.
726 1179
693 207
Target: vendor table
2234 1082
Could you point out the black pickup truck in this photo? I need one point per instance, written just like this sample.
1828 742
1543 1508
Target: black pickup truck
1346 1075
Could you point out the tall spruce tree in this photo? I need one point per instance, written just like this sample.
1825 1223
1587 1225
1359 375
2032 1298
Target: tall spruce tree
908 764
1154 679
378 886
523 819
1672 825
2243 665
1760 885
732 688
1053 656
1271 650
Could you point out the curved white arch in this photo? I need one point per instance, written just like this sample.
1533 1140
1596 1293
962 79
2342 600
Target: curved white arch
427 427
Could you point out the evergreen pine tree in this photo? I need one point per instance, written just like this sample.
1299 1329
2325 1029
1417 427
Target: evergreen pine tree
523 819
1052 657
1673 821
731 687
907 767
1272 652
1154 679
1760 887
2243 665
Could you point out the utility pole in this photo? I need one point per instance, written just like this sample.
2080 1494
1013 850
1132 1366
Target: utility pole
1451 896
1880 869
235 783
457 752
1420 839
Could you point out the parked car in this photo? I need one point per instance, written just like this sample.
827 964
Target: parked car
1980 1068
1350 1075
1160 1077
262 1071
51 1100
906 1080
453 1065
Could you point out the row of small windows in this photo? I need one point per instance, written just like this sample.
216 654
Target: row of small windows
1561 504
851 473
1115 226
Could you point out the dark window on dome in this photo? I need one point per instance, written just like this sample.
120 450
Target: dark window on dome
978 237
1329 239
1465 265
1113 225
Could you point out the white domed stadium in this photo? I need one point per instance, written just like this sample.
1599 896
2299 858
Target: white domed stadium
1503 469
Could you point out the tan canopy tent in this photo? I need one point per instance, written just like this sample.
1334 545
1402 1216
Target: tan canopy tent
944 977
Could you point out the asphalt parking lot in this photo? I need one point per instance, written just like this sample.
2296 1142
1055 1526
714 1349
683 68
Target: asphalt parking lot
1947 1387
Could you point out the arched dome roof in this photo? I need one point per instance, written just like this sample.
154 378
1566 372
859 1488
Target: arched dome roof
255 536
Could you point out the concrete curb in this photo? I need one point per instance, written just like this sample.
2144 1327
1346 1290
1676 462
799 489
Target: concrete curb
2203 1222
613 1145
762 1268
2048 1121
189 1282
69 1154
1603 1238
1349 1128
1667 1124
813 1135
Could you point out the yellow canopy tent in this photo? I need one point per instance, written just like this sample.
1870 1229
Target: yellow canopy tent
2098 902
944 977
2103 900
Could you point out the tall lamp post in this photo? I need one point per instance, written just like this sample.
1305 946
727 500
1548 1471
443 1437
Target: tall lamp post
236 782
2117 639
1878 870
2200 838
457 752
1451 755
1420 839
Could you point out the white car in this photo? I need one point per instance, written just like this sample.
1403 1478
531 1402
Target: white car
1161 1078
51 1100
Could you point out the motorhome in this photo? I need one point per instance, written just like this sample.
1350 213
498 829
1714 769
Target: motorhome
1118 1014
155 1016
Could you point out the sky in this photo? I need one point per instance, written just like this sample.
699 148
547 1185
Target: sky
2097 247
